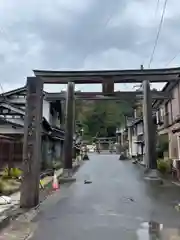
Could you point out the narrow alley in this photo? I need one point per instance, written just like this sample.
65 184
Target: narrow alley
116 204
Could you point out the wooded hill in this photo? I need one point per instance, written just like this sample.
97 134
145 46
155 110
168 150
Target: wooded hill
102 117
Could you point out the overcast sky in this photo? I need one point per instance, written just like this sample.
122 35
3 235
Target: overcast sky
84 34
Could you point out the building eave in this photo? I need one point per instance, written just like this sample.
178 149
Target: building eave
12 92
4 95
10 122
12 108
167 88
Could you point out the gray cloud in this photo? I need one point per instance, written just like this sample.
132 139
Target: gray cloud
68 34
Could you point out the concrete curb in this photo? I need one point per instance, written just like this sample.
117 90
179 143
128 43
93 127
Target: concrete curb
164 178
16 213
176 183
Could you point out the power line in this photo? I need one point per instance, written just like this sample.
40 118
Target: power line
158 33
155 14
172 59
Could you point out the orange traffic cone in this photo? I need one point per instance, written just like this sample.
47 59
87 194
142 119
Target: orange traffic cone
55 184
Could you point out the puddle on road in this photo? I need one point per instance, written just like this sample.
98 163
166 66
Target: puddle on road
156 231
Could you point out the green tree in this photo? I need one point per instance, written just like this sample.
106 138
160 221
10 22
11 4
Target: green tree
102 117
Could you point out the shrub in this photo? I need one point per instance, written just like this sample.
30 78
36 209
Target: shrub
159 152
12 173
163 166
16 172
6 173
1 186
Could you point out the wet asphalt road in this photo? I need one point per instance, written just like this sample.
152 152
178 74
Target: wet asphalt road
118 204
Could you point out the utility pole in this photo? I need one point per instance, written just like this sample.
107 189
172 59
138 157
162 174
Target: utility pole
69 127
149 133
32 144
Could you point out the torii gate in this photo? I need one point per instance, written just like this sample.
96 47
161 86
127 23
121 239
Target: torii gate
104 140
32 129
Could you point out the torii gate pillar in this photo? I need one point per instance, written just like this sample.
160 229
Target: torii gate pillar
69 129
149 134
32 144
